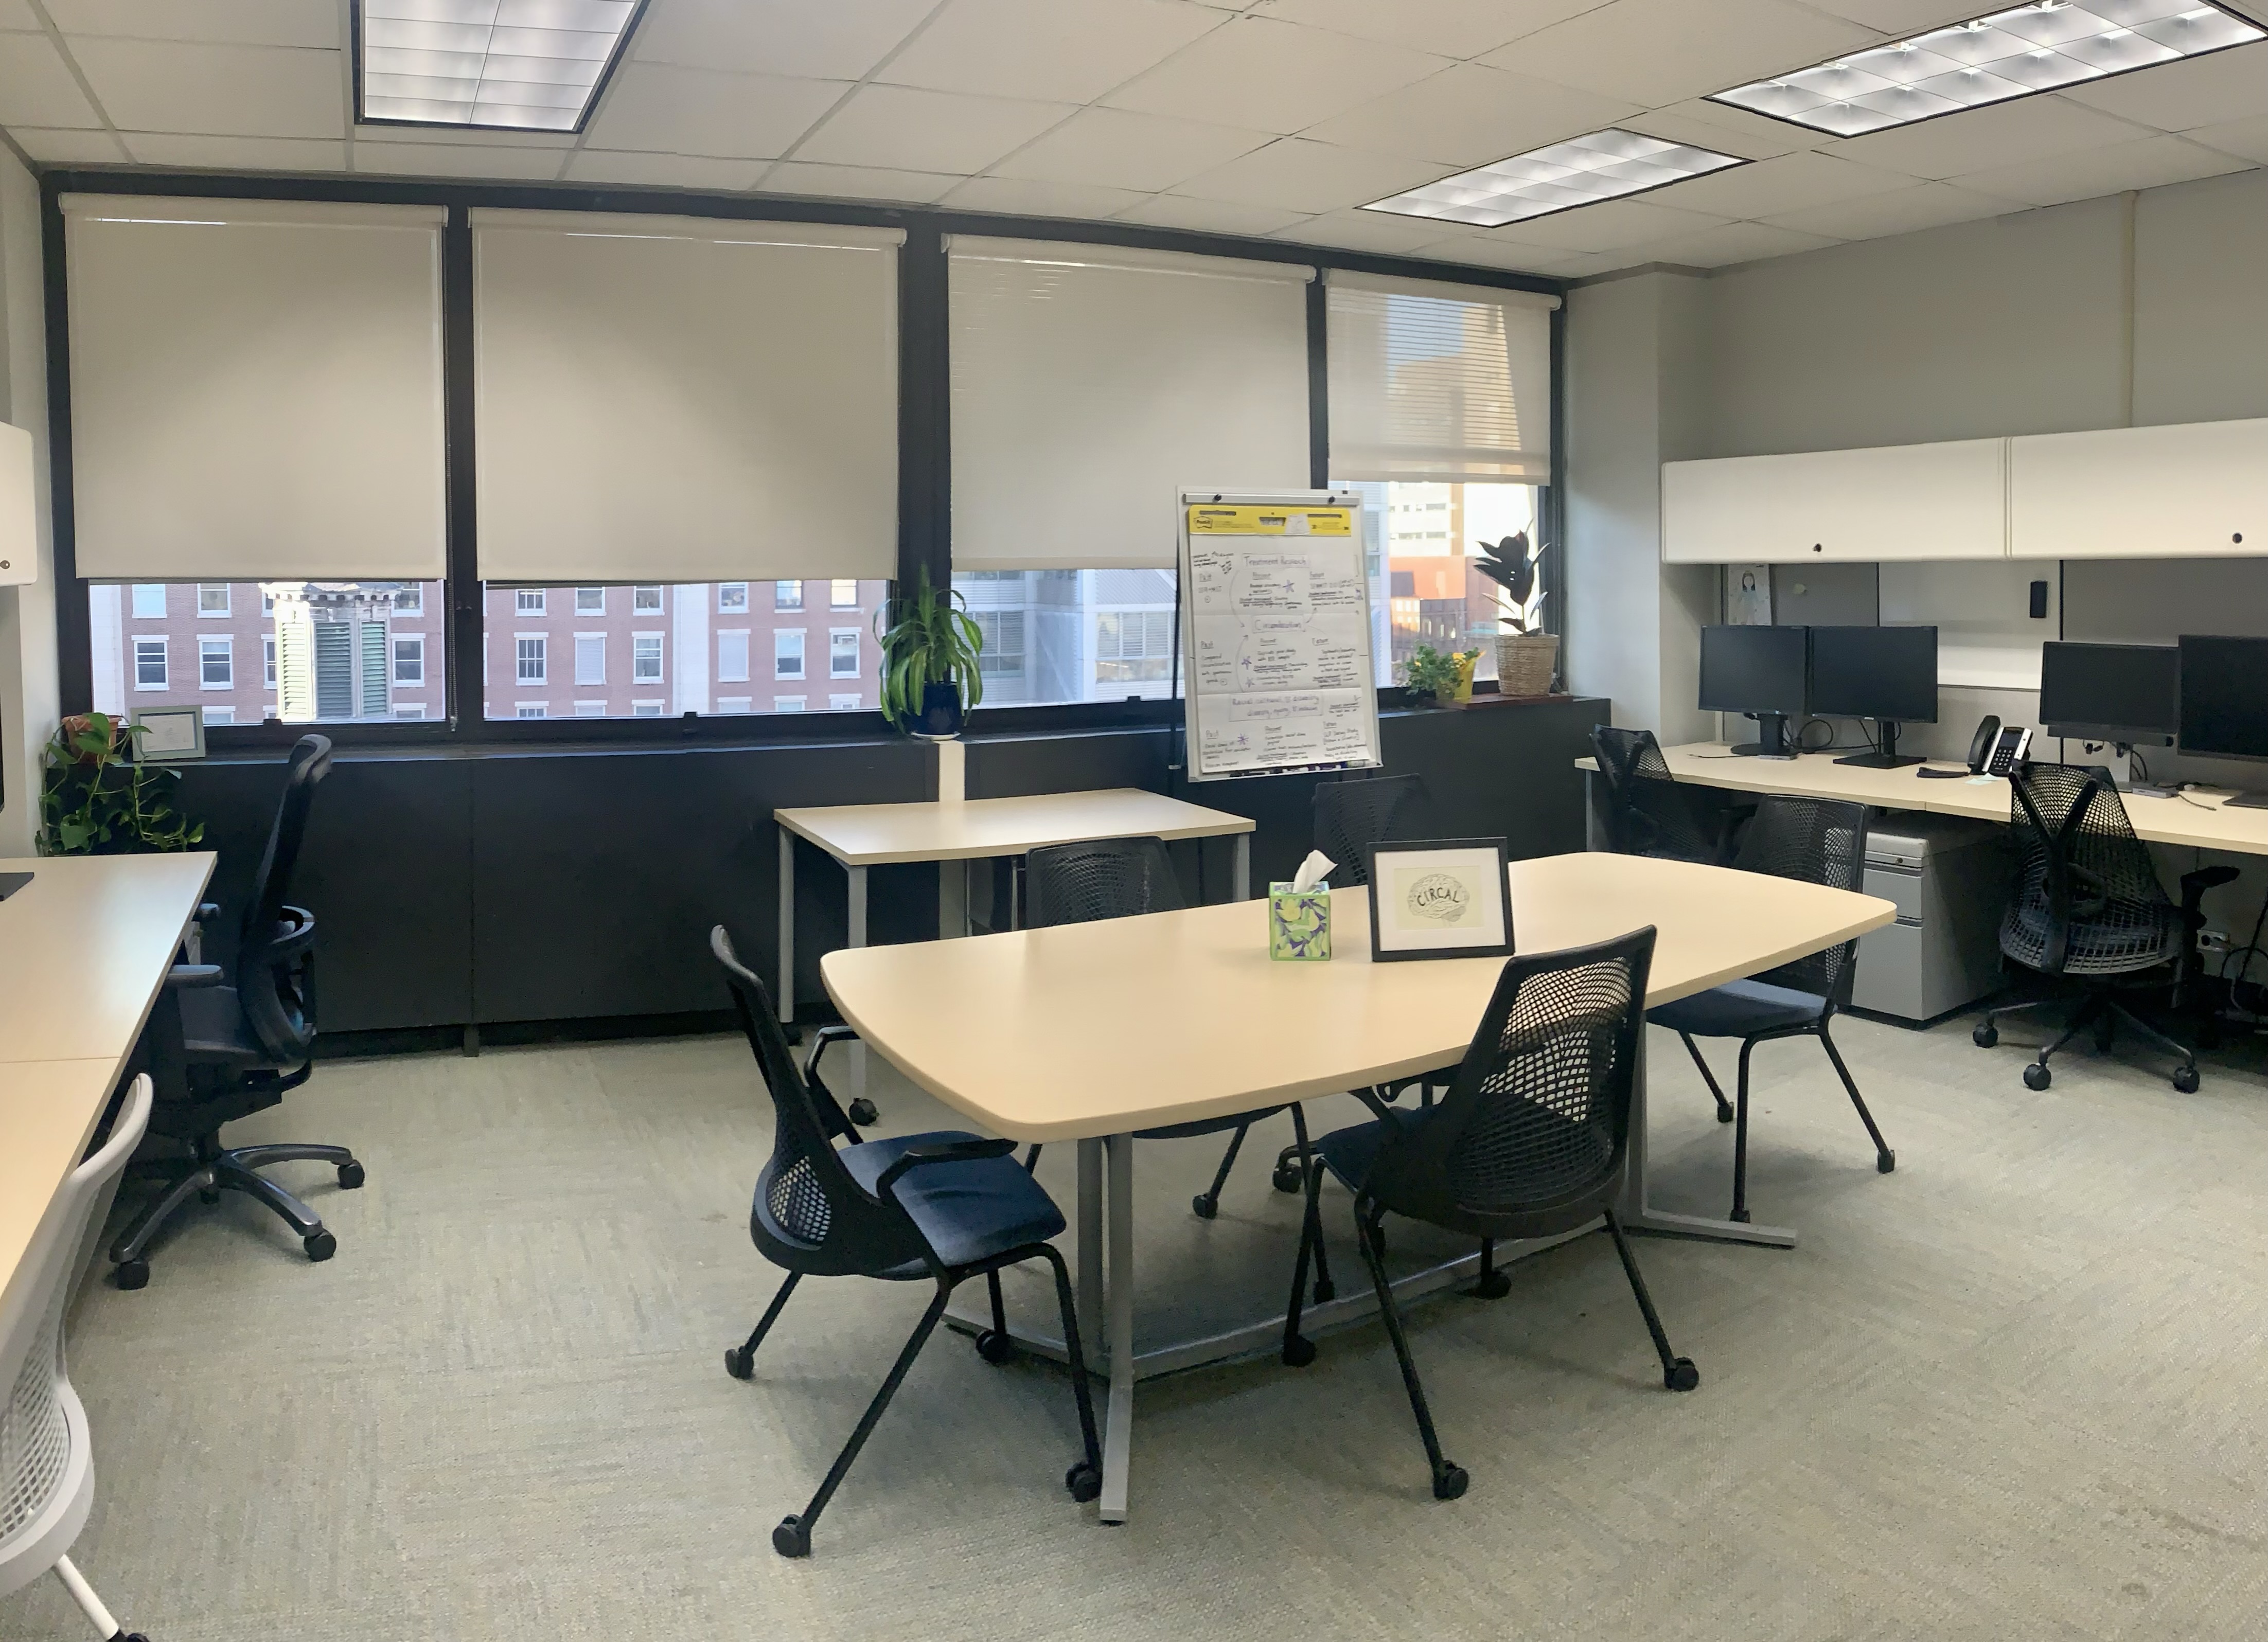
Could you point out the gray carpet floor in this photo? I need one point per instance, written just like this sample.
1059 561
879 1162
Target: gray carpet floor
2014 1389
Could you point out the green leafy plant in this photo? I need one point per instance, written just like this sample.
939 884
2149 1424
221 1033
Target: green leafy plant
927 638
1512 566
1430 672
95 800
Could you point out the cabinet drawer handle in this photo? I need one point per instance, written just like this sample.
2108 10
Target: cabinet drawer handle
1818 547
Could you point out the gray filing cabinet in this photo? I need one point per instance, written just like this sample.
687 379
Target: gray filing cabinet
1950 879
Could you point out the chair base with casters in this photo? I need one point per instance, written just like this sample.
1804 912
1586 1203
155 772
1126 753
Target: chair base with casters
2101 1010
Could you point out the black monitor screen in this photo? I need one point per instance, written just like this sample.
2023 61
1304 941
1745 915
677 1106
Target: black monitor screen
2112 692
1875 673
1753 669
2225 696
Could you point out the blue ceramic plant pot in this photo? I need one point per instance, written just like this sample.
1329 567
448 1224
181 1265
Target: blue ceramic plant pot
940 714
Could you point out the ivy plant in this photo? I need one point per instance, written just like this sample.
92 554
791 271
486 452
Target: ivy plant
95 800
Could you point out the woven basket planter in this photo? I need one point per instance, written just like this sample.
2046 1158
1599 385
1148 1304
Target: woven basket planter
1525 663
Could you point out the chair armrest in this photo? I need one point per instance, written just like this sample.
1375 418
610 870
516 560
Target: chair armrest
820 1040
957 1151
184 975
208 910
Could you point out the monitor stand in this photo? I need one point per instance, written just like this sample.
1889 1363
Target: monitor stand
1888 757
1771 742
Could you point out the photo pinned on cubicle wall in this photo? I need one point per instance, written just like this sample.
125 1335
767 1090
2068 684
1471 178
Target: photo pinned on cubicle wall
168 735
1439 898
1748 596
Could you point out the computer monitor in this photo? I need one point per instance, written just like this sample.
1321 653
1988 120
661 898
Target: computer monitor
1886 674
2224 709
1759 670
2128 694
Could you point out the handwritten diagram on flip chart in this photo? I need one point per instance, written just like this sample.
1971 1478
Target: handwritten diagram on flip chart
1276 635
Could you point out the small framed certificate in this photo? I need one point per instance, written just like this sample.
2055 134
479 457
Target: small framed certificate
169 735
1442 898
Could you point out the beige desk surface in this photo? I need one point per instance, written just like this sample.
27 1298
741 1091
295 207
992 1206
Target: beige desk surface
1102 1028
2197 820
874 834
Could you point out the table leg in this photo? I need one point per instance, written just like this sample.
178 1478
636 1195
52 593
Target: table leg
1090 1251
951 900
786 927
858 933
1239 885
1118 1420
1639 1216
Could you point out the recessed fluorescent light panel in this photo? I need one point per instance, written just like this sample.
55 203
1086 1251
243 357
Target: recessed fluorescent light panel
2029 48
1582 171
515 65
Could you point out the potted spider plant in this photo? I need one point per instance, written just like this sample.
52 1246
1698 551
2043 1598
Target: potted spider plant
1526 657
930 673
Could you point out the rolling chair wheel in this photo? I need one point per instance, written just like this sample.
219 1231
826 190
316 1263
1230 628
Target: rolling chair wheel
995 1347
1450 1483
1682 1376
349 1176
791 1538
319 1245
739 1362
1326 1292
2185 1079
864 1112
1204 1207
2037 1076
208 1195
1299 1351
1985 1036
1085 1481
133 1274
1286 1178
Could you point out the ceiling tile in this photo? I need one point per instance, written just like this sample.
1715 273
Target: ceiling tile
1119 148
2180 96
1274 76
1219 216
1902 210
1482 252
693 110
838 40
2151 163
1656 51
1730 243
899 128
1046 48
2006 135
455 159
1364 230
668 170
1026 196
2248 137
1786 184
1906 16
236 153
1454 28
68 147
36 89
224 91
17 14
1469 115
1610 226
220 22
856 182
1296 175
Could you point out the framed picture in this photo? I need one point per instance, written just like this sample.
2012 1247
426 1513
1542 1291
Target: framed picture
1439 898
169 734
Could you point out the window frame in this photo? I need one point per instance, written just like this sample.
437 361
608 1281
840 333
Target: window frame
209 645
458 717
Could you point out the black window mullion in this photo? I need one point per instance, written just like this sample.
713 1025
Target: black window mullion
925 409
463 630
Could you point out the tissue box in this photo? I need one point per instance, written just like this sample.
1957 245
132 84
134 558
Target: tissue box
1299 922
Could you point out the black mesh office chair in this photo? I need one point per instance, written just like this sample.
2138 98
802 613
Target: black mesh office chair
2088 907
1816 842
1647 812
1528 1141
221 1052
946 1206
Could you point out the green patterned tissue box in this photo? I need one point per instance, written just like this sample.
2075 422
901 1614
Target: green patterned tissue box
1299 922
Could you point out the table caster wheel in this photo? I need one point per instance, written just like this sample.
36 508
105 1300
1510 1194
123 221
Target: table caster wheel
1985 1036
1204 1207
1450 1483
791 1538
2185 1079
995 1347
1286 1177
865 1113
349 1177
2037 1076
739 1362
1725 1114
1299 1351
1682 1376
1886 1162
133 1274
319 1245
1085 1481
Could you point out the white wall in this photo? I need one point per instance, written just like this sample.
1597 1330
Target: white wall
30 698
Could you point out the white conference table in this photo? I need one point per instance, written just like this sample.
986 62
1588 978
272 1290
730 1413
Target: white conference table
865 836
84 948
1003 1027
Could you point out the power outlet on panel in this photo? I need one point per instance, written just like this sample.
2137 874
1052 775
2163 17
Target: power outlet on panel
2213 942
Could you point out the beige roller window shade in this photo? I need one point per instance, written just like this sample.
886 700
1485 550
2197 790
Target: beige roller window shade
684 399
255 390
1091 383
1438 381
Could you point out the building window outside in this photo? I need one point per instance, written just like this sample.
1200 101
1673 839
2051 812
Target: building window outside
529 650
843 652
409 599
787 704
842 704
787 655
220 715
1003 633
149 601
149 664
787 595
268 660
533 710
212 597
843 595
733 656
590 601
645 658
409 710
590 710
409 660
529 601
589 658
645 710
1132 646
734 704
732 598
216 665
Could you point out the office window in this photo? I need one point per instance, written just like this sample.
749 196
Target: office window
645 600
149 601
1055 636
732 598
646 708
528 601
409 710
787 654
787 595
843 703
268 660
529 649
1420 541
409 660
732 657
149 664
733 704
533 710
219 715
1003 654
787 704
589 658
590 710
842 595
843 652
590 601
409 599
212 597
216 665
645 658
1133 646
